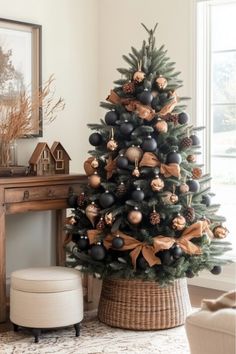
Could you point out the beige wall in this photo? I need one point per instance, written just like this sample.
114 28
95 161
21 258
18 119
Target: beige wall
83 41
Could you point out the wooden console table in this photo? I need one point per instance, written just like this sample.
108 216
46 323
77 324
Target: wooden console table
24 194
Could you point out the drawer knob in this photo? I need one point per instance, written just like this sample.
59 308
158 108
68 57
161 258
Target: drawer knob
26 195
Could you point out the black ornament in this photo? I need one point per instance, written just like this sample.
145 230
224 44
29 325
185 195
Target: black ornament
106 199
149 144
83 243
173 157
216 270
145 97
195 139
95 139
156 103
166 257
189 273
138 195
117 242
194 185
126 128
111 118
163 97
206 199
176 252
142 263
73 201
98 252
183 118
122 162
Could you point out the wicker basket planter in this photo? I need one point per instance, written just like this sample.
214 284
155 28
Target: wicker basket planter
143 305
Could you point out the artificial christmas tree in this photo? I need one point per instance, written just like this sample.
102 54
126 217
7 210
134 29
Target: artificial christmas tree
146 211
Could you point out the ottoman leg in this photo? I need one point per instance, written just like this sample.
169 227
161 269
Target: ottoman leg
77 329
15 327
36 333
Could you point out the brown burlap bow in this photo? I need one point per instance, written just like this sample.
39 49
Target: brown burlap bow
143 111
160 243
150 160
110 167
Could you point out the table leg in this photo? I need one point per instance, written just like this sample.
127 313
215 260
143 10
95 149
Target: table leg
3 307
60 236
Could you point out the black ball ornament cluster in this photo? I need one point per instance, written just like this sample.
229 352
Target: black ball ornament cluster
149 144
98 252
111 117
173 157
106 199
95 139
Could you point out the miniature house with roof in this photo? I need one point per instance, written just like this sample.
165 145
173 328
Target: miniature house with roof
61 157
42 161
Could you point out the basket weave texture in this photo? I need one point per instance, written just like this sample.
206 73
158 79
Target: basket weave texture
143 305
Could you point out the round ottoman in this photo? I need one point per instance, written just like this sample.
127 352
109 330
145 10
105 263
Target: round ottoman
46 297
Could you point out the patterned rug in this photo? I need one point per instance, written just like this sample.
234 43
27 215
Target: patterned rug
96 338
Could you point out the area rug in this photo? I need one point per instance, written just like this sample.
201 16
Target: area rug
96 338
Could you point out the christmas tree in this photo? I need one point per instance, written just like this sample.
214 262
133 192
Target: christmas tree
146 212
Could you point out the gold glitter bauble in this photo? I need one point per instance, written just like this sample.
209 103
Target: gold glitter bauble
134 153
112 145
178 223
161 82
157 184
161 126
139 76
135 217
95 181
220 231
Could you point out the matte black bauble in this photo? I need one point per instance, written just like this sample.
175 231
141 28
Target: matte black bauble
216 270
176 252
145 97
117 242
95 139
106 200
98 252
122 162
139 89
156 103
163 97
166 257
138 195
83 243
173 157
183 118
142 263
126 128
149 144
189 273
195 139
194 185
111 118
73 201
206 199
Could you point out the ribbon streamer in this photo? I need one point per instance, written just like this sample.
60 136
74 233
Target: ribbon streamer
89 170
150 160
110 167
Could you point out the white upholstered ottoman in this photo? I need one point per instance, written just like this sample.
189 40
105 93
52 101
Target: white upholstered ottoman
46 297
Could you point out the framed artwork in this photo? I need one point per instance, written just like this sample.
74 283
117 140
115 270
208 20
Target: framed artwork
20 64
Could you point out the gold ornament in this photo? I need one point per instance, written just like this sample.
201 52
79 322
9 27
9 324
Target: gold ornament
95 163
71 220
157 184
192 158
139 76
112 144
95 180
196 173
166 199
134 153
161 126
174 198
220 231
136 172
135 217
184 188
161 82
92 212
178 223
109 218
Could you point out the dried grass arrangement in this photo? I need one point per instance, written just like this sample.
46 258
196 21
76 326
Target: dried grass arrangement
16 115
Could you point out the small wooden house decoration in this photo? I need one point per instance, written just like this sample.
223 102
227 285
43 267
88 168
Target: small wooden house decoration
61 157
42 161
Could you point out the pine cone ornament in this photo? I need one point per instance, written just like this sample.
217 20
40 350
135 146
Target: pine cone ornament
196 173
189 214
121 190
186 143
155 218
129 87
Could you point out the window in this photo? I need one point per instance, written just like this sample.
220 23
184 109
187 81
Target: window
59 154
59 165
45 154
216 110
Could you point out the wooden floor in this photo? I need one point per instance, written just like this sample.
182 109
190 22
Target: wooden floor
196 295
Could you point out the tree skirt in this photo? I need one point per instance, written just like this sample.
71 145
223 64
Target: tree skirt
96 338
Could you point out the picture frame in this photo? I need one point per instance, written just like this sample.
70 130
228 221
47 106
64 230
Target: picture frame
21 51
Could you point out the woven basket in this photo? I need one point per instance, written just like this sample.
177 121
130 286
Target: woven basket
143 305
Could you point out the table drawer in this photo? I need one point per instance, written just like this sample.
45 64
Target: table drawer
16 195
